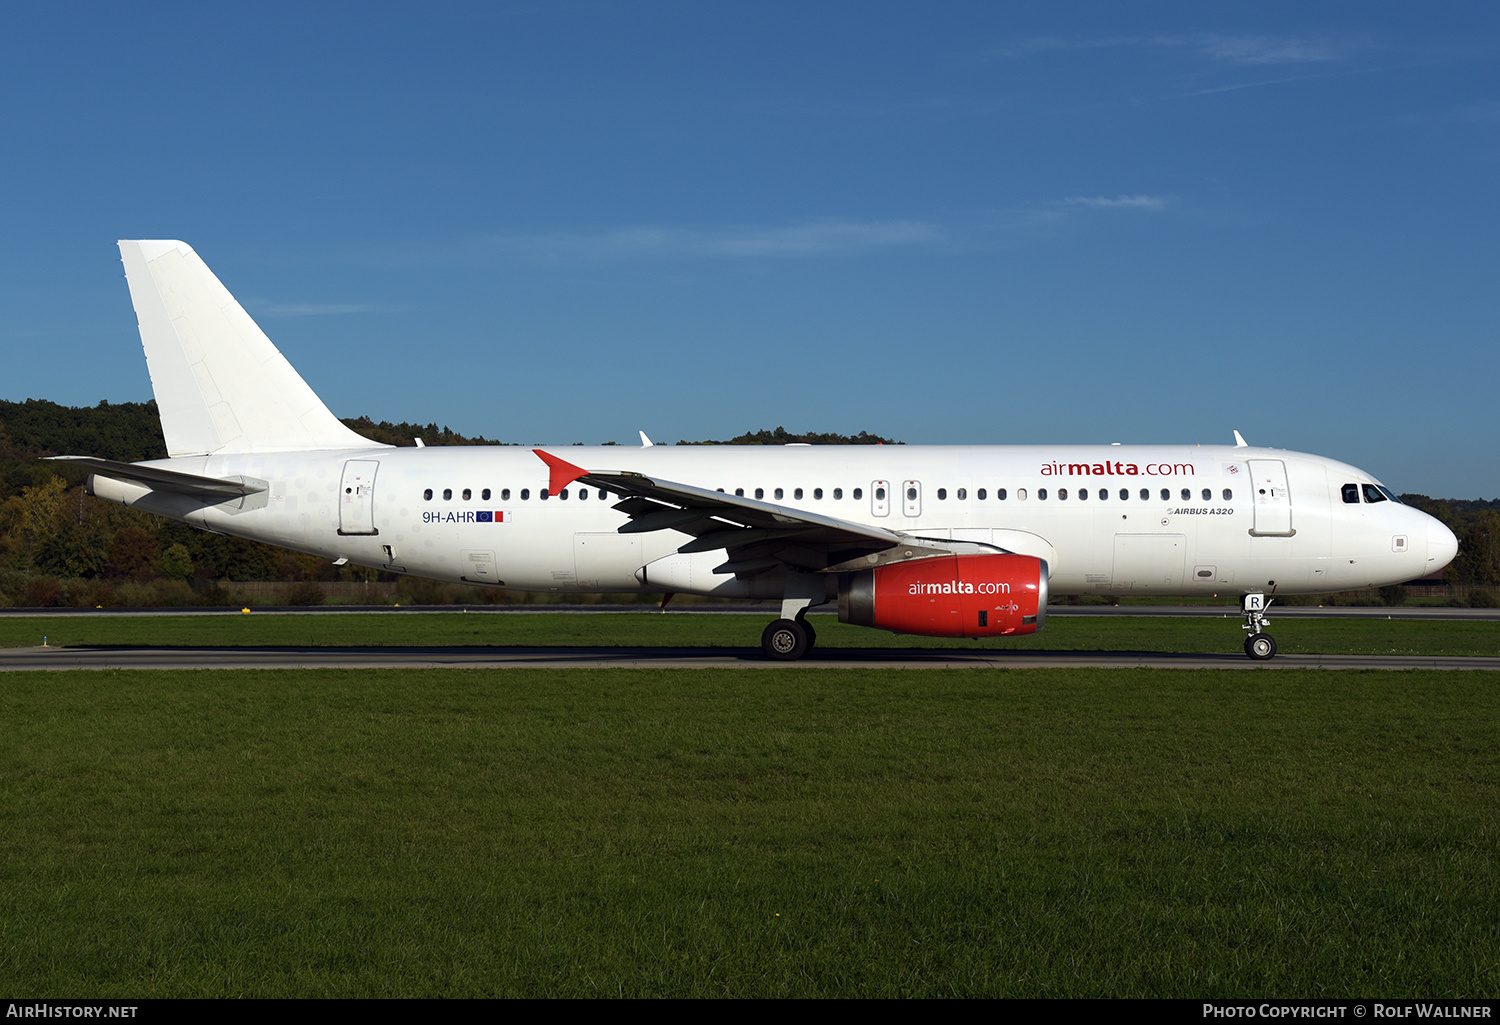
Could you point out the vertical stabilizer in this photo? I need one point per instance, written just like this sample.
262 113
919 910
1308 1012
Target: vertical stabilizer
221 386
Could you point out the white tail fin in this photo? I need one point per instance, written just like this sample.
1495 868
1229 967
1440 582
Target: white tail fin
221 386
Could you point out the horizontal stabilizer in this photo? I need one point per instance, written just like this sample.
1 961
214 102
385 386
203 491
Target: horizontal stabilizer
157 479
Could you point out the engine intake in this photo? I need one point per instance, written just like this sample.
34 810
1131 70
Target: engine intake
949 596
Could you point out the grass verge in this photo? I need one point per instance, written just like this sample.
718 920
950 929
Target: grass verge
794 833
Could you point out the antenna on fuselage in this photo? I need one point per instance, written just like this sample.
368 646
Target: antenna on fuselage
645 441
1239 442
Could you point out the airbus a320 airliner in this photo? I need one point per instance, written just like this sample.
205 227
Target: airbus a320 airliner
946 541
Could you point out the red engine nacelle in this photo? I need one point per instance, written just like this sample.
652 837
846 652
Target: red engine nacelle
949 596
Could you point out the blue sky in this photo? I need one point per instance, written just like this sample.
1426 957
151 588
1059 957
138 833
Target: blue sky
955 223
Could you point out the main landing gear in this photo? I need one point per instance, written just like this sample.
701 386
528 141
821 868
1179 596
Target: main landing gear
1259 645
787 640
792 636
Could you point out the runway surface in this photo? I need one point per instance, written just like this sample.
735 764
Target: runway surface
21 659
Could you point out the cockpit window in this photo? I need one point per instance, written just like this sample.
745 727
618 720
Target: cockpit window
1351 494
1388 494
1372 494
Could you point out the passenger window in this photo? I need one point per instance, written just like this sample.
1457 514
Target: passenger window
1103 494
1000 494
778 494
1020 494
1124 494
505 494
525 494
484 496
447 494
838 493
1041 494
427 495
879 494
468 494
543 494
817 494
911 494
860 493
583 493
1208 494
1351 494
1187 495
1146 494
563 494
942 494
1083 494
797 494
760 492
740 492
980 494
1228 495
1372 494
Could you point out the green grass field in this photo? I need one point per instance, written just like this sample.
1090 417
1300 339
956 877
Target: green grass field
792 832
648 629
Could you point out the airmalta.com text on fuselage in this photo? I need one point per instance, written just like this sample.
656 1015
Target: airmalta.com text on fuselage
1118 469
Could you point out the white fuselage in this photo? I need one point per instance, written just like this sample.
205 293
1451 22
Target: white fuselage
1172 520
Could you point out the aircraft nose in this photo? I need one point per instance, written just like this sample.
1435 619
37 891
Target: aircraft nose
1442 545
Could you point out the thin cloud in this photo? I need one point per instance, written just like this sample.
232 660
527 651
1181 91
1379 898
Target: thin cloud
830 239
1154 203
1487 112
1254 50
810 240
1248 50
312 309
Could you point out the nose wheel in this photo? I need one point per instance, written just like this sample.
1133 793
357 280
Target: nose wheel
1259 645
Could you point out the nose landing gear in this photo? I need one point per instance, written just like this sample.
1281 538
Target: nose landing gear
1259 645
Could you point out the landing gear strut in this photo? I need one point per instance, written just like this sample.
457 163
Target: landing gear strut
812 635
1259 645
792 636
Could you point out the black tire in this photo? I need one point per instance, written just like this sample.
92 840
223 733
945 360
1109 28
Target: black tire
784 640
812 635
1260 647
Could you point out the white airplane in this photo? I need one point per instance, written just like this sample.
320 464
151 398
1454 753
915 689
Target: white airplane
949 541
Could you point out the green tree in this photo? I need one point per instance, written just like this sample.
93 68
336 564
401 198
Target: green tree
1478 559
40 504
133 554
177 563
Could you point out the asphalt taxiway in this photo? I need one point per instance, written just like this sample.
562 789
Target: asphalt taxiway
49 658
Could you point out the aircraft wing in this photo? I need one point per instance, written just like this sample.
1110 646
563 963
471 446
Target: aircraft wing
756 535
159 479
